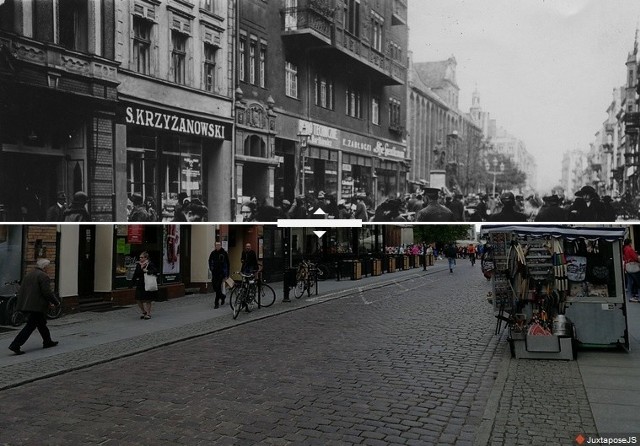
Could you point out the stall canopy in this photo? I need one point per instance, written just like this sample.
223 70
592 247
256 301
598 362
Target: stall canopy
609 234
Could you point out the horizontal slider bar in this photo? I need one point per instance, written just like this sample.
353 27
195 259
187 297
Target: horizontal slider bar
319 223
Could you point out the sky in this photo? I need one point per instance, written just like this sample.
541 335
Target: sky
545 69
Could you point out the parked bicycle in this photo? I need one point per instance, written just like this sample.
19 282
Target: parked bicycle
251 292
306 276
16 317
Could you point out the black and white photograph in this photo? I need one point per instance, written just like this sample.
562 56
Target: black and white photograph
377 110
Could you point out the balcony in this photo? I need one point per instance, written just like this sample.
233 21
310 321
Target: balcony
315 26
314 23
59 64
632 122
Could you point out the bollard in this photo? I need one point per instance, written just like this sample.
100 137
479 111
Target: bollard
424 265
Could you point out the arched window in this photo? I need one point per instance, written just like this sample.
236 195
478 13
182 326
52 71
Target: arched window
255 146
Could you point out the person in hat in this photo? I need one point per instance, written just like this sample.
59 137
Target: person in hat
56 212
77 211
34 298
139 212
592 209
179 214
551 210
509 211
456 206
361 208
150 206
344 211
434 211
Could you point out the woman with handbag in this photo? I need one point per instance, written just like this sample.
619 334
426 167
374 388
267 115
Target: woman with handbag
145 279
632 270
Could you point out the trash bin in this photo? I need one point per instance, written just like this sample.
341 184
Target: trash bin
376 267
288 282
405 262
391 264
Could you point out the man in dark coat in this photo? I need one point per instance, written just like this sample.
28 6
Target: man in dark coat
219 267
34 298
56 212
434 211
551 210
77 211
139 212
508 212
457 207
592 210
249 260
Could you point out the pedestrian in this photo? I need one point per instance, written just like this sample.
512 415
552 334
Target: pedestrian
219 267
34 298
139 212
593 209
451 253
77 212
434 211
249 260
56 211
145 297
509 211
632 270
361 209
247 212
196 211
179 214
150 205
551 210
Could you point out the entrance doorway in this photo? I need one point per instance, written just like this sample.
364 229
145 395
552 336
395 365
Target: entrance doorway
86 261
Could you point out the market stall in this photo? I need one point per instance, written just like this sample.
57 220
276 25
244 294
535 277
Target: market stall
558 287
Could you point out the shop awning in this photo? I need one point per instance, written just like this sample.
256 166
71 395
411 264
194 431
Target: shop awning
587 232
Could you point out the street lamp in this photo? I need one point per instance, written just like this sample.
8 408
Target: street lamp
304 132
495 172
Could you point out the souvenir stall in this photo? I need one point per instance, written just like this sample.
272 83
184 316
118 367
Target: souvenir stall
557 288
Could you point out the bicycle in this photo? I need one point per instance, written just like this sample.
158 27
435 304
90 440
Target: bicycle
16 317
251 291
306 275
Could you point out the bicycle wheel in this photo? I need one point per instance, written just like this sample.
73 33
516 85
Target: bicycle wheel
16 318
55 312
322 272
236 301
298 290
266 296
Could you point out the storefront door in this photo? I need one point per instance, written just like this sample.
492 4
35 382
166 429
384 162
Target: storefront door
86 260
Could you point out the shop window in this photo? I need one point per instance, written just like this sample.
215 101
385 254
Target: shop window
73 24
179 57
255 146
141 165
209 67
141 45
291 80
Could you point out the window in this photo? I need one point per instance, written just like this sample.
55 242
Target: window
352 17
291 80
263 61
141 45
396 51
375 111
209 67
73 24
324 92
353 102
242 49
394 112
178 57
376 31
252 62
211 6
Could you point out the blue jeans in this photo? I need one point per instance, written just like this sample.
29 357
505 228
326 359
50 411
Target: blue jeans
452 262
633 283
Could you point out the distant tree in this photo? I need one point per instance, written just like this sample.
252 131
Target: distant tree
440 233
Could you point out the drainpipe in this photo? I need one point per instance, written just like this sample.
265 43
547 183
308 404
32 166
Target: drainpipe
235 5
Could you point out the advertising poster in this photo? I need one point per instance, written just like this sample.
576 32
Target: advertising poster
171 253
135 234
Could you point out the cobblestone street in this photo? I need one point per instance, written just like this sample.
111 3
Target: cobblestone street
413 362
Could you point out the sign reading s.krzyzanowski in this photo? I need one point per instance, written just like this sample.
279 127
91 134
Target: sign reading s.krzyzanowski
134 114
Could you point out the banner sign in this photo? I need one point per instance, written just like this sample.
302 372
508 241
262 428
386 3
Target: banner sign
135 234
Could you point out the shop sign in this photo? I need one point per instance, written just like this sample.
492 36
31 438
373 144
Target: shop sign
174 122
135 234
319 135
369 147
346 167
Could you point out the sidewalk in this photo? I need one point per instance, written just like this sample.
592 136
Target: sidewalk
90 338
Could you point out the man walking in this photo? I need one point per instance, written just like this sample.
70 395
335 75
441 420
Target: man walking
219 267
451 253
34 297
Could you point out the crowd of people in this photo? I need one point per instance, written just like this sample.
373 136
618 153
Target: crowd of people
433 205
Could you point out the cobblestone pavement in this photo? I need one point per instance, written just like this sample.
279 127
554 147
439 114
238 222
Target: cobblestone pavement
415 362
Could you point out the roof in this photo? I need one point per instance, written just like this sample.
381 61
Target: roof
418 84
434 74
571 233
